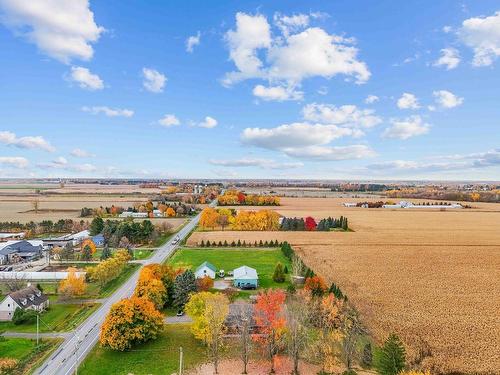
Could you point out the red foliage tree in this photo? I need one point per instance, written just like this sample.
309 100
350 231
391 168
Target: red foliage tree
316 285
270 318
310 223
241 197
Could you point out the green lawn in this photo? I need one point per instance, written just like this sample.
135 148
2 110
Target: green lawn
58 318
263 260
25 351
160 356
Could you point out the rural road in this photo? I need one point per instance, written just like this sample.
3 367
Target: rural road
74 348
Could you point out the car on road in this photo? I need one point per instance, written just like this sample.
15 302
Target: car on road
175 240
180 313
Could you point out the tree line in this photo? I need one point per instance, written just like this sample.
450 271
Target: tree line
45 226
238 198
309 224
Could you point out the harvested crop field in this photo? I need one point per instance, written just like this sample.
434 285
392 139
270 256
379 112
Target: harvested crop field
427 275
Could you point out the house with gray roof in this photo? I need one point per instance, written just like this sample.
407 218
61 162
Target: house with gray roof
29 298
15 251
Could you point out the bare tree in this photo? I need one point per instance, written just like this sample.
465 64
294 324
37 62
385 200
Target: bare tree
297 266
15 283
35 203
297 336
244 325
352 329
216 311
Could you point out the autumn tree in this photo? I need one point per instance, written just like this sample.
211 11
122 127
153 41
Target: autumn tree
184 285
130 321
208 218
150 286
352 330
269 316
73 285
170 212
204 284
209 312
310 223
316 285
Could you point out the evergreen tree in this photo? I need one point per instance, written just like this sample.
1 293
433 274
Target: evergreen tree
225 243
279 273
344 224
208 244
391 357
202 244
184 284
261 244
367 356
220 244
239 243
96 226
106 253
233 244
285 269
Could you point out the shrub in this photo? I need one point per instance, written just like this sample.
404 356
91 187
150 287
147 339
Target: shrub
367 356
279 274
23 316
316 285
291 289
7 365
204 284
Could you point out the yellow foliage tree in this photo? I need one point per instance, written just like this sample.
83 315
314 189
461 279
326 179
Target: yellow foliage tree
90 244
170 212
208 218
130 321
73 285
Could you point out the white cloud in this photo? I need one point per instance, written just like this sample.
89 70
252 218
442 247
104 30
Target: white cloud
345 115
406 128
79 153
447 99
63 164
447 29
85 79
28 142
450 58
14 161
291 56
208 123
110 112
482 34
370 99
326 153
277 93
61 29
192 41
255 162
323 90
169 120
408 101
154 81
452 162
291 24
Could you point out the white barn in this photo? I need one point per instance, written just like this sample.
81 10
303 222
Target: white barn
205 269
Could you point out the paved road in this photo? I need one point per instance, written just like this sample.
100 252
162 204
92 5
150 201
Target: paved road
74 349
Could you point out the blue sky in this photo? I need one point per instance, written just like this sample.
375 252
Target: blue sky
246 89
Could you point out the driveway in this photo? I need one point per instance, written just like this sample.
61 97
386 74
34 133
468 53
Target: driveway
178 319
221 284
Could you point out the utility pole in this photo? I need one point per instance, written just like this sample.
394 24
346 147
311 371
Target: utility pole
37 328
180 360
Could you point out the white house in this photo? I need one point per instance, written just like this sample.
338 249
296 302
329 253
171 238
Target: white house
205 269
245 277
157 213
27 298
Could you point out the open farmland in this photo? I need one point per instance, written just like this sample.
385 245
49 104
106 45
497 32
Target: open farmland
418 272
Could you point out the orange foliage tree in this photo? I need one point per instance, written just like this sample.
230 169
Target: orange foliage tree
130 321
204 284
269 316
88 243
208 218
151 286
73 285
316 285
170 212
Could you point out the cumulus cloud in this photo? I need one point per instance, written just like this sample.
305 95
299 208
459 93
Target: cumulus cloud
63 30
300 52
29 142
370 99
63 164
482 34
446 99
256 162
154 81
192 41
85 79
277 93
14 161
79 153
408 101
450 58
169 120
110 112
345 115
208 123
406 128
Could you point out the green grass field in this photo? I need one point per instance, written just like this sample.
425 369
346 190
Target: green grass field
26 352
263 260
160 356
58 318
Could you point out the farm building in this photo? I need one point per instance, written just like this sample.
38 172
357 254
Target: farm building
404 204
134 214
245 277
27 298
98 240
348 204
15 251
73 238
11 236
205 269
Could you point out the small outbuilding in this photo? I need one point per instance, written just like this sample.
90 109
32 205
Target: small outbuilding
205 269
29 298
245 277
